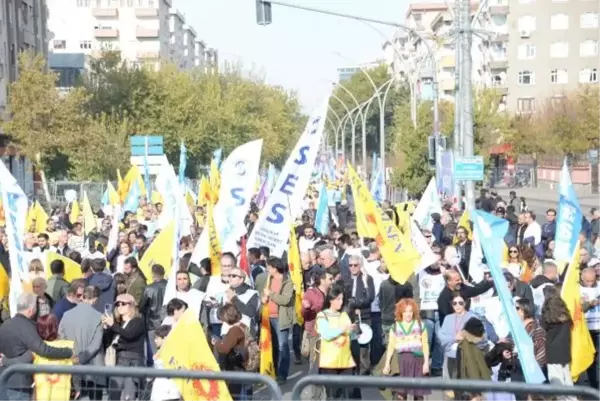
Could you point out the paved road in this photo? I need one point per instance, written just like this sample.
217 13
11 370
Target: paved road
298 371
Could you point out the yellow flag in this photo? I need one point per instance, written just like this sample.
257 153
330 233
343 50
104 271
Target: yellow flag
159 252
30 219
4 285
89 220
113 195
53 386
72 268
401 258
186 348
75 212
41 218
215 181
204 192
214 247
189 199
156 198
464 221
267 367
582 346
132 176
296 274
122 190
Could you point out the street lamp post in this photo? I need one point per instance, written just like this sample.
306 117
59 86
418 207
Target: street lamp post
337 117
352 120
360 114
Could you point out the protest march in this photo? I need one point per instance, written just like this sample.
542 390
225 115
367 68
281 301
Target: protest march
258 268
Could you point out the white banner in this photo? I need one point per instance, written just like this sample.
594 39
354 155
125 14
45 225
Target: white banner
238 179
15 206
429 203
167 185
420 243
273 226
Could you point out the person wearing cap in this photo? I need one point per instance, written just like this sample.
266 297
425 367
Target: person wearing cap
128 333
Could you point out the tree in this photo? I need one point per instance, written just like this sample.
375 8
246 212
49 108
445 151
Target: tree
489 123
362 89
40 118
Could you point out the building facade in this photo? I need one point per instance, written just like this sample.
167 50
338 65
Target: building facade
530 53
145 32
345 73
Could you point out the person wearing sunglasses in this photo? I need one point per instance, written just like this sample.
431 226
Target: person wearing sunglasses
128 333
452 333
70 300
243 297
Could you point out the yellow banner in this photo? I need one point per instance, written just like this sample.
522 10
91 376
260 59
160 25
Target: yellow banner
72 268
53 387
295 265
267 366
186 348
214 247
159 252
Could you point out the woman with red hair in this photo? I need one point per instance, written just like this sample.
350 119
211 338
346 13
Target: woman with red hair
408 339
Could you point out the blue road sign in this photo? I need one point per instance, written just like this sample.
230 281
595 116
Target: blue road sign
468 168
155 146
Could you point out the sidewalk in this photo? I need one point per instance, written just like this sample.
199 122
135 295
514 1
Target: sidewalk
545 195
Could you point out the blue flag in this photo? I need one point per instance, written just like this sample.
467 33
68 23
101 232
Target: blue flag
569 218
132 200
217 156
182 164
105 198
322 217
490 231
375 163
147 174
378 186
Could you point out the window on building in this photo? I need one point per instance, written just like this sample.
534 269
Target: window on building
418 18
589 20
526 104
588 75
85 44
527 23
559 76
559 22
557 100
526 51
59 44
559 50
588 48
526 77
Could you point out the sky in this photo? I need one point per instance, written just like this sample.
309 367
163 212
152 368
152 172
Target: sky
298 50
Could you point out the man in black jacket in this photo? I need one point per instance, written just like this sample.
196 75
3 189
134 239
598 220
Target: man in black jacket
360 292
151 306
18 340
454 284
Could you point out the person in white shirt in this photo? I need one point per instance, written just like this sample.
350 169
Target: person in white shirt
590 295
533 230
215 293
308 240
163 389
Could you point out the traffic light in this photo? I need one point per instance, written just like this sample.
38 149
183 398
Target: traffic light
263 12
433 148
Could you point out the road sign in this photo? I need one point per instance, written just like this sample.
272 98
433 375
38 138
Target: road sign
155 145
468 168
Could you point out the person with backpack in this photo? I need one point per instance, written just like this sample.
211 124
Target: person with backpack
238 349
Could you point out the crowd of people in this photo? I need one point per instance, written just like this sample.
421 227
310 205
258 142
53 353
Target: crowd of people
432 325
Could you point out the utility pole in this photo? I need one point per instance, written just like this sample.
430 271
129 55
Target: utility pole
467 93
457 137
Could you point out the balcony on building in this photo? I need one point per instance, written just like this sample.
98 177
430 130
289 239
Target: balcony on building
106 33
146 12
148 55
448 85
499 64
500 85
448 61
498 9
147 33
499 37
111 12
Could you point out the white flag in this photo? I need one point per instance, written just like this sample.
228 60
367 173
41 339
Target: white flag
273 226
14 202
429 203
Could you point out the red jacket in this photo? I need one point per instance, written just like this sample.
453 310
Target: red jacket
316 299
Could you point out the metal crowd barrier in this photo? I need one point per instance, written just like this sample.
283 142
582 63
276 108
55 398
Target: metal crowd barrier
140 372
476 386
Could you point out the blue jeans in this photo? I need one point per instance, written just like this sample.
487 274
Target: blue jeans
281 349
18 395
215 328
435 348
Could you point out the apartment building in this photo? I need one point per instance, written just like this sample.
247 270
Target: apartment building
345 73
531 52
211 60
22 27
552 48
408 54
146 32
189 47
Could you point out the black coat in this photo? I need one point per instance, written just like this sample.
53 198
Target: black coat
151 306
365 295
19 337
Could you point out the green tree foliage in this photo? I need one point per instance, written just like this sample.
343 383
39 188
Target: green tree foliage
489 124
362 89
563 126
88 129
